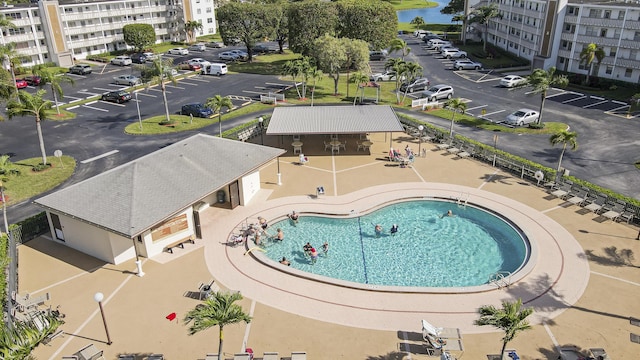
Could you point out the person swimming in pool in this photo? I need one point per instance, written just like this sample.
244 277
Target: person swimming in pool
325 248
448 213
378 230
294 216
314 255
394 229
284 261
263 223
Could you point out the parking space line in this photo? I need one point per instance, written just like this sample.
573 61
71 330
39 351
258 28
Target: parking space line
87 92
253 92
594 104
103 89
199 80
99 156
619 102
159 90
111 103
187 83
277 84
73 107
574 99
174 87
95 108
477 107
145 94
493 113
597 97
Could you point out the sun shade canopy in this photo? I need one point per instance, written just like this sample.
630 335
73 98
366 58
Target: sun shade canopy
307 120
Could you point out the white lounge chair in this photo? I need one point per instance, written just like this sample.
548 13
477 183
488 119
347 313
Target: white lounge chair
242 356
577 197
270 356
298 355
597 204
614 211
445 333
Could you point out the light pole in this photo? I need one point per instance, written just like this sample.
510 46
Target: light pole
98 298
421 128
260 121
138 107
4 209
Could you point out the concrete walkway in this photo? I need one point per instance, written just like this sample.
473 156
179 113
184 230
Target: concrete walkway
584 285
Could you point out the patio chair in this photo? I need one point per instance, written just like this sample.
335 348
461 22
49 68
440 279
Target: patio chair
270 355
211 357
562 191
597 203
614 211
297 149
628 215
577 197
599 354
155 357
126 357
360 146
296 137
242 356
343 145
298 355
327 146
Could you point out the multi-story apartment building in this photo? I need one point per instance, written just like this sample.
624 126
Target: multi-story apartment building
554 32
62 30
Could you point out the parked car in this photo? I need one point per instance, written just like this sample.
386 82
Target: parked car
449 51
228 56
178 51
438 92
215 45
200 61
417 33
186 65
80 69
512 80
33 80
264 49
139 58
197 110
377 55
385 76
417 84
121 60
466 64
439 46
150 56
241 54
21 83
197 47
435 42
457 55
522 117
118 96
430 37
171 71
126 80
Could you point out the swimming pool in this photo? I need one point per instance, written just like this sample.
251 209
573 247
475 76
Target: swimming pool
428 250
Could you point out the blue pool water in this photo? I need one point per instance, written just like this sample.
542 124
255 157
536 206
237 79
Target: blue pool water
430 15
428 251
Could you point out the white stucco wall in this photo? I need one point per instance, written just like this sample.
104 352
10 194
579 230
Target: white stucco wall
249 186
94 241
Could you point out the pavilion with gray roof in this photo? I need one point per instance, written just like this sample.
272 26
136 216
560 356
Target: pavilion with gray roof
341 119
149 204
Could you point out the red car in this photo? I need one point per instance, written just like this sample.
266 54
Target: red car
186 66
21 83
33 80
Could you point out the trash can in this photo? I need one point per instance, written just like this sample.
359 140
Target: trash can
222 197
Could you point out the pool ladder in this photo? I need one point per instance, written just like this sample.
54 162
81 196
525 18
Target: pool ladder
501 279
459 200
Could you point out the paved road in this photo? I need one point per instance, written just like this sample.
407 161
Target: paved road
607 152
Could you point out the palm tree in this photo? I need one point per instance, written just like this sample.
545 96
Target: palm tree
360 79
462 19
542 80
399 66
54 78
482 15
511 319
399 45
217 103
190 27
218 310
418 21
7 168
413 71
293 69
36 105
159 72
315 74
11 61
455 105
565 138
588 54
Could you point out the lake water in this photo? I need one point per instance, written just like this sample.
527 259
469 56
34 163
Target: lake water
430 15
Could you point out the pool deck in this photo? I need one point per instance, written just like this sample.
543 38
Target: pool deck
584 285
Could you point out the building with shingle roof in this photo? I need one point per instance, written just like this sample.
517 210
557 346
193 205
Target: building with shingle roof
149 204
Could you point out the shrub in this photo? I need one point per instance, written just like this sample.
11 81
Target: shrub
41 167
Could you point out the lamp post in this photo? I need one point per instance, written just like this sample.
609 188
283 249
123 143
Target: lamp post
421 128
260 121
138 107
98 298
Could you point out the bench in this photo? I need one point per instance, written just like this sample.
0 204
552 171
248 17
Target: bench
180 243
50 337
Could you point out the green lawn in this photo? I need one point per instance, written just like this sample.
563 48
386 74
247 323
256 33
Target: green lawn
412 4
30 183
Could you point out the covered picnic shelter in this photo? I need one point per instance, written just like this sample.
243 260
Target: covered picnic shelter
327 120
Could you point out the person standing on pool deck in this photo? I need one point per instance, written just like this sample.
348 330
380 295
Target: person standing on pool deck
378 230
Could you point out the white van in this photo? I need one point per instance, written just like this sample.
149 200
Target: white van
215 69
